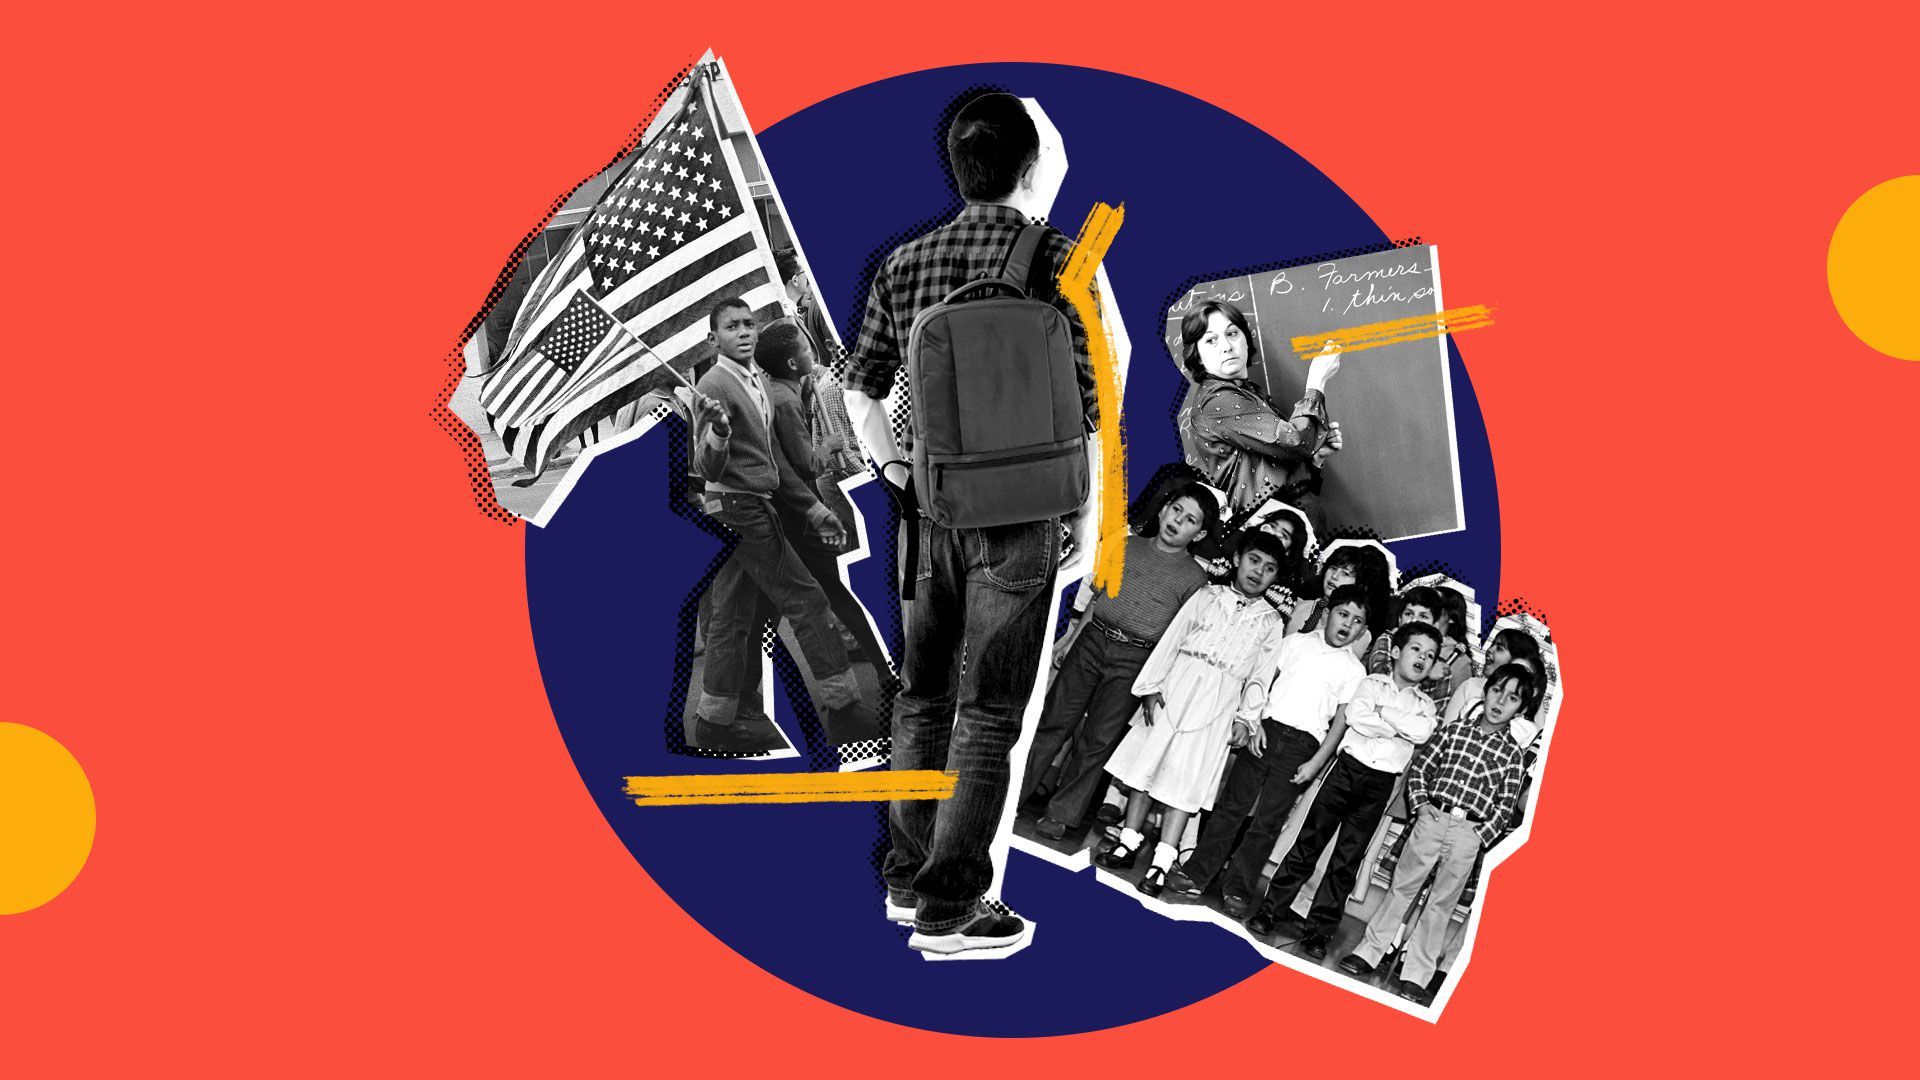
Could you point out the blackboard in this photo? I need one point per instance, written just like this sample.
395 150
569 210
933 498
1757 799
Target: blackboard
1399 473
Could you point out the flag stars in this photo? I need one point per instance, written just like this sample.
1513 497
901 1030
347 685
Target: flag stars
702 224
685 217
659 232
653 252
679 238
682 170
706 204
706 159
674 194
725 212
630 267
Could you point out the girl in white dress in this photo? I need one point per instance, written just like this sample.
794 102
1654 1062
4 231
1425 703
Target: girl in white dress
1192 687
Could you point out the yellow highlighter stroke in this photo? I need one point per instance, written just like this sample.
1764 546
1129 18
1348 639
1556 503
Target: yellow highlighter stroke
1395 331
1076 285
880 786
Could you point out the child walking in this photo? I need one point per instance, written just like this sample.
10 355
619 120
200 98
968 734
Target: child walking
1194 685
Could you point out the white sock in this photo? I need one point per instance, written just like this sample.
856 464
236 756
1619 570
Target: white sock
1131 839
1163 855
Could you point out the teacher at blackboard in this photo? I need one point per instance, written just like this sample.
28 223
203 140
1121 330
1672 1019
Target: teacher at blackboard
1235 436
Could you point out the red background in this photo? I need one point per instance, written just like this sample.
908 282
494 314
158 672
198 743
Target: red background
338 831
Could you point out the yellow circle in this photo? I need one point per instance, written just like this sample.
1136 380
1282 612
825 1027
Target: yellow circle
1873 268
46 818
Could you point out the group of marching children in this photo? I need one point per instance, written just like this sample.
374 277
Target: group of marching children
1233 692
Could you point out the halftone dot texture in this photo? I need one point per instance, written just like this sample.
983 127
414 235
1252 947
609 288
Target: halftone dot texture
471 448
821 754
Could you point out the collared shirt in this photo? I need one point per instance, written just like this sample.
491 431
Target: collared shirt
754 380
922 272
1222 629
1313 679
1472 769
1385 722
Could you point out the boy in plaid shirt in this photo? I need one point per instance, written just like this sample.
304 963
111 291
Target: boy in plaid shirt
1463 791
980 593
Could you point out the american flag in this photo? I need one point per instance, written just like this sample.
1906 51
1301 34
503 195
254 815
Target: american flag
673 233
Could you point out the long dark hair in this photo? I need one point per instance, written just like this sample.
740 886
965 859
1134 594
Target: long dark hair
1193 327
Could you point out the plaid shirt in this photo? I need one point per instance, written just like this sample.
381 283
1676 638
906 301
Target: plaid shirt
921 272
1471 769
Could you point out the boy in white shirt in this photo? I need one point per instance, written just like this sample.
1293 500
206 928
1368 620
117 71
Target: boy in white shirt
1306 686
1388 717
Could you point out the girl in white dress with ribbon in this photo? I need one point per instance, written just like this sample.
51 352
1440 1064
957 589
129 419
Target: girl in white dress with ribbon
1191 689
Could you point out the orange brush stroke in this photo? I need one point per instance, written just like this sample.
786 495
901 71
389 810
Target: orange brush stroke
791 787
1076 284
1395 331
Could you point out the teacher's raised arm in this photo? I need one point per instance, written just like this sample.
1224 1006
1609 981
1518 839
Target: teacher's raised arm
1234 435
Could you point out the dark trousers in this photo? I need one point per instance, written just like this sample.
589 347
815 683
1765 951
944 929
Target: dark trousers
975 629
1264 785
1350 802
822 560
1094 691
762 563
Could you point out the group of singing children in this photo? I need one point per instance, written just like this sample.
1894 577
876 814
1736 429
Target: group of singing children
1219 683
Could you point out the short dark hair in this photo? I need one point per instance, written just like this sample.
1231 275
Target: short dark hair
1193 327
1454 606
1425 596
1185 489
722 304
788 261
990 143
1351 593
1255 540
1404 634
1520 673
1520 644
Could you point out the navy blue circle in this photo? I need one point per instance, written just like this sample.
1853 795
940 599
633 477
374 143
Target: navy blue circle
794 888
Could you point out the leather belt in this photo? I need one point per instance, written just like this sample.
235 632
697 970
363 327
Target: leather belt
1458 812
1120 636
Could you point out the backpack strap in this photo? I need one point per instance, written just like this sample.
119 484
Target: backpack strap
1019 267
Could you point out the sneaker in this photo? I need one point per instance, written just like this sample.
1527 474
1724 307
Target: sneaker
1051 829
901 908
993 926
738 737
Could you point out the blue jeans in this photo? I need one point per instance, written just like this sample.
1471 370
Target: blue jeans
974 634
1091 700
765 563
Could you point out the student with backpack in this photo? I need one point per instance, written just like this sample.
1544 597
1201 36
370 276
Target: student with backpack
992 457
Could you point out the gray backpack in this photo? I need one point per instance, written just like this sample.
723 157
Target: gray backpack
999 429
